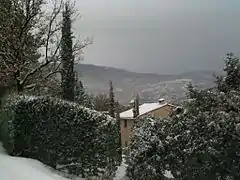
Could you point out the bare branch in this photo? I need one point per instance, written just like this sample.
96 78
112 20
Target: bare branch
79 46
32 32
5 56
56 11
50 74
53 72
53 57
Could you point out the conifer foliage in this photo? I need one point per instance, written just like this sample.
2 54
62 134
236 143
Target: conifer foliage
111 105
232 78
81 96
202 142
135 107
137 104
145 156
67 57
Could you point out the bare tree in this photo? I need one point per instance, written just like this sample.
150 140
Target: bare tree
30 41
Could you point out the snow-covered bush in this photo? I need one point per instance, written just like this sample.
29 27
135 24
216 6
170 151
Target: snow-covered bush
62 134
232 78
202 142
145 159
203 145
4 136
206 139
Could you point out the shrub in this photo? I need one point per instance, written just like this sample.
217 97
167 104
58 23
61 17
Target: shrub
61 134
4 136
202 142
205 140
146 147
192 146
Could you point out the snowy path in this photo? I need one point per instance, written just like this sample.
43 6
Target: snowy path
121 171
14 168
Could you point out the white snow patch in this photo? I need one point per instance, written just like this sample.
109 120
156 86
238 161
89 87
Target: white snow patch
15 168
121 171
168 174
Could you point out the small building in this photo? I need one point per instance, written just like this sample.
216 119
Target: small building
157 109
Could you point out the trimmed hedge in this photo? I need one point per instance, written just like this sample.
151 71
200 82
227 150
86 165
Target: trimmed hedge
61 134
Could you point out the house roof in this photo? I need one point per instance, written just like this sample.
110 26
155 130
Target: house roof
143 109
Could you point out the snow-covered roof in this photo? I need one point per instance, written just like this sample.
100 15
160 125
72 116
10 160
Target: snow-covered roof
143 109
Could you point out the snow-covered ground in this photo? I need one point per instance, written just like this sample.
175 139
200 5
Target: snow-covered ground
15 168
121 172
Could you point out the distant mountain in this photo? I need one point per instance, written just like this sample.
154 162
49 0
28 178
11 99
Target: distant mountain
149 86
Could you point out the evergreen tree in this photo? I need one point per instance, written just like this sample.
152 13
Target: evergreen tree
67 57
232 71
201 142
135 107
111 105
119 127
81 97
143 161
101 103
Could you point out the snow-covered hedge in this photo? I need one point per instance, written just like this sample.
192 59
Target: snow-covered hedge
62 134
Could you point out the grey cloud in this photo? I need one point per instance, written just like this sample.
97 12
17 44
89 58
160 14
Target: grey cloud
150 37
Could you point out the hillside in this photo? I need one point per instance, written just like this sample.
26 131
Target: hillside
149 86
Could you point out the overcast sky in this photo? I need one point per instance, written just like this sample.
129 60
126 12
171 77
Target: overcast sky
162 36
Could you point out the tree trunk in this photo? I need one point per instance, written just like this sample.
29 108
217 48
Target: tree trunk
19 85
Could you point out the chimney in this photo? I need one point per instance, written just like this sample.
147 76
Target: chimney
161 101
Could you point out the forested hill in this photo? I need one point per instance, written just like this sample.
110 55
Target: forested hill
149 86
